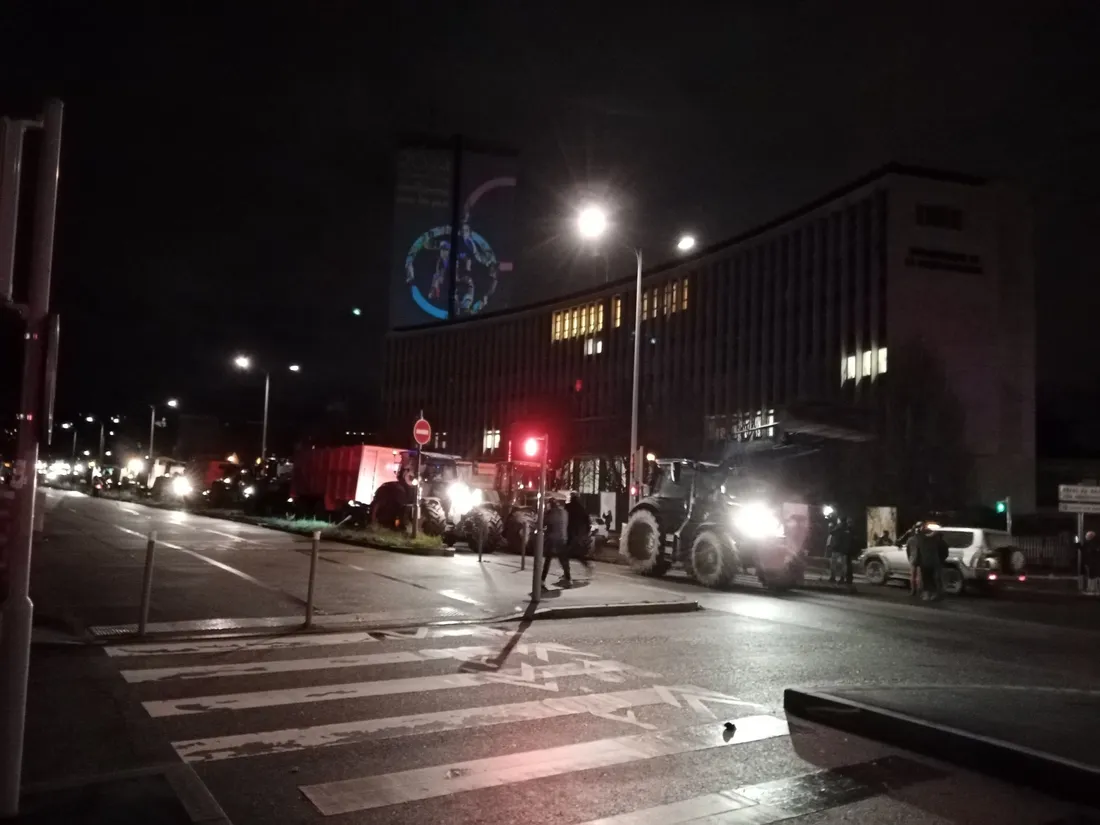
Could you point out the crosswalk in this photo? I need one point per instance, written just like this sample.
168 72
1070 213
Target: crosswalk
402 720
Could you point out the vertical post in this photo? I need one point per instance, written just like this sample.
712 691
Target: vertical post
74 444
152 455
1008 514
633 483
11 155
101 443
536 571
18 614
263 436
314 551
147 582
1080 544
416 492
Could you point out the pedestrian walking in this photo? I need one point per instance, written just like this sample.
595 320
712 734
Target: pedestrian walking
556 542
912 552
840 546
1090 564
932 552
580 532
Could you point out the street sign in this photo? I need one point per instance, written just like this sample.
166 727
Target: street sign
1078 492
1079 506
422 432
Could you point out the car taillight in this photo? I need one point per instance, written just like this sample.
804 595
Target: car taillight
1022 578
993 577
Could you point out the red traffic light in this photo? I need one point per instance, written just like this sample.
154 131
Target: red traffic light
531 447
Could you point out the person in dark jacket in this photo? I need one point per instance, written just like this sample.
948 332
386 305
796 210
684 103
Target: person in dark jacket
912 551
580 531
840 547
1090 564
932 552
556 542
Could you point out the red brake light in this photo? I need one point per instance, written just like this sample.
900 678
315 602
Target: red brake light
1023 578
993 577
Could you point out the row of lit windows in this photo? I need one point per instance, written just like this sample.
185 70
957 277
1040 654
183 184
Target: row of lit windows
577 321
588 319
855 367
490 441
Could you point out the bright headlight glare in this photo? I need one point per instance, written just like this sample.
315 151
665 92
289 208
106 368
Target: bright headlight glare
249 491
181 486
463 499
758 521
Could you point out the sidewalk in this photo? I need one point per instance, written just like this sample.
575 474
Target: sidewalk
1041 737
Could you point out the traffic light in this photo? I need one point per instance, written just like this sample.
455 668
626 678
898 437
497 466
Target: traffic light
531 447
1001 506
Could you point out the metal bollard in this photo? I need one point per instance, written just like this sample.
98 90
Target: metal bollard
147 582
315 550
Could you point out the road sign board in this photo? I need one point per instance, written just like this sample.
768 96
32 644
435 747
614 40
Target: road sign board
1079 506
422 432
1078 492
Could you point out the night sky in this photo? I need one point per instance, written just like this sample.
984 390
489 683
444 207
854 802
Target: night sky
227 172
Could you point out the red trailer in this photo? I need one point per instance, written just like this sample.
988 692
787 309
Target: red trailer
327 478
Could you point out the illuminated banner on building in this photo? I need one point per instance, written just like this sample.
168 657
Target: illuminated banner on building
452 256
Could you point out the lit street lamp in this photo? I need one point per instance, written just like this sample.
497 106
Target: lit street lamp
592 224
171 402
68 425
244 362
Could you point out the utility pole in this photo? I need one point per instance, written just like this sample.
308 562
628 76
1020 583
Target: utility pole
18 614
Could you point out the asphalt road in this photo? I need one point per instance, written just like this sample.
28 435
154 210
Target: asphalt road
572 721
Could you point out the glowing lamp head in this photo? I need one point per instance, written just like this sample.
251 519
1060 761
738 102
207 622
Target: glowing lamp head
295 368
686 243
89 418
591 222
531 447
242 362
172 402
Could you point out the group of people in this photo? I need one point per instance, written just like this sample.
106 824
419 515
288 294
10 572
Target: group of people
926 549
568 535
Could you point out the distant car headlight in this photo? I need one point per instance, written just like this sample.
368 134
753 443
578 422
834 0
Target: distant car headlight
758 521
181 486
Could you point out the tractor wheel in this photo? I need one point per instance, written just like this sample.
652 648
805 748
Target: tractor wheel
642 543
388 507
519 528
433 521
713 559
487 519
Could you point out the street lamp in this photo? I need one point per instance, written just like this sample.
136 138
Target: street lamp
68 425
91 419
244 362
592 224
171 402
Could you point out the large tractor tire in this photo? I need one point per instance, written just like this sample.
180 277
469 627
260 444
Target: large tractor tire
485 519
519 529
433 520
388 506
713 560
642 545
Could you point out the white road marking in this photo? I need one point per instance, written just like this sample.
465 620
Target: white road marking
602 705
295 642
365 793
688 810
227 535
462 654
525 676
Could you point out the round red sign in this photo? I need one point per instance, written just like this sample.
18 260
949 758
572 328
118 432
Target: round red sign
422 432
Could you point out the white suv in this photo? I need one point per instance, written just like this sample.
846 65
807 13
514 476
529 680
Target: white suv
978 558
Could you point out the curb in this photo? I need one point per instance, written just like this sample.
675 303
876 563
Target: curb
588 611
1063 778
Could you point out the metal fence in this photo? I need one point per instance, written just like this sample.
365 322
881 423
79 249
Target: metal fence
1048 552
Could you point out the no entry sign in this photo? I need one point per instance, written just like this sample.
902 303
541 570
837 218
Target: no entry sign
422 432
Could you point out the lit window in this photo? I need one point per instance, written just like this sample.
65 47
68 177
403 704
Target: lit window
599 346
881 360
847 368
589 346
771 423
617 311
490 441
574 326
599 324
866 366
684 295
645 305
675 295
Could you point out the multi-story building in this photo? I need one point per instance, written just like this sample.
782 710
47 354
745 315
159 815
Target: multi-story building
907 294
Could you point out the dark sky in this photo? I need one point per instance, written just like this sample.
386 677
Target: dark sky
227 167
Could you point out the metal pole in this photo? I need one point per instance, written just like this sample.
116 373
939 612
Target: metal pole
314 550
263 437
18 615
416 494
1080 543
1008 515
147 582
101 443
633 485
536 571
74 444
10 167
152 455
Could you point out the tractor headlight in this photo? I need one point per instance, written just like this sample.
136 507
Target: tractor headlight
181 486
248 491
462 498
758 521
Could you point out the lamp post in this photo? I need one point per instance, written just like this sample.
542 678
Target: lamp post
592 224
173 403
68 425
244 362
91 419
